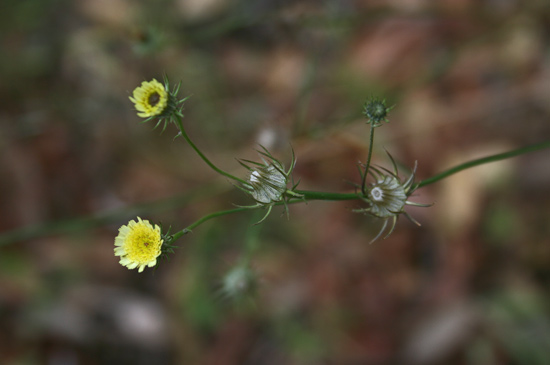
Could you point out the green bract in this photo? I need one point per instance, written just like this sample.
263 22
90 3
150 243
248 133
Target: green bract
376 111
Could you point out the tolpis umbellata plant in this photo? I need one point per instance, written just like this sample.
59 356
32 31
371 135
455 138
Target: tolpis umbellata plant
381 191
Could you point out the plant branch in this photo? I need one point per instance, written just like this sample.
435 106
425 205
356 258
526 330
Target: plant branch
179 123
483 160
371 143
305 196
78 224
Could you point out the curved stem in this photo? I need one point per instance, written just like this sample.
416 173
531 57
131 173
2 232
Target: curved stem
481 161
205 218
179 123
371 142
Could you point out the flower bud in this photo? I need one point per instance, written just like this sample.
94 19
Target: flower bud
376 111
388 195
267 181
267 184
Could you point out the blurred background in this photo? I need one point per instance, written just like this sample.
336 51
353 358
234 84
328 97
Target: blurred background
468 78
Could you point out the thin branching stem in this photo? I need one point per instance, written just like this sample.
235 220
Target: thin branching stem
205 218
305 196
483 160
371 143
183 133
79 224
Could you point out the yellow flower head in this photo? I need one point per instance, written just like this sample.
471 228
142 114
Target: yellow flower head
138 244
151 99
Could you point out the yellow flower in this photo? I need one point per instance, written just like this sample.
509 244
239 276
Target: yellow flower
151 99
138 244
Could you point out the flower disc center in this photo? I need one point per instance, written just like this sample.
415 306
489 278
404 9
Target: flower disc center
379 110
153 99
377 194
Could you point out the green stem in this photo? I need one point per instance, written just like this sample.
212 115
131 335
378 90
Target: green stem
78 224
322 195
484 160
371 143
305 196
205 159
207 217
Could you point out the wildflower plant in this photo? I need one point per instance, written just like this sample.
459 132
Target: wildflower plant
384 192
